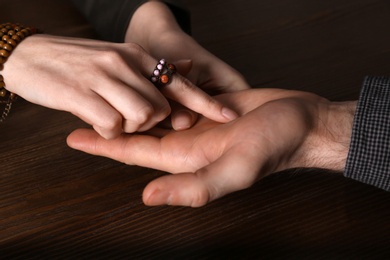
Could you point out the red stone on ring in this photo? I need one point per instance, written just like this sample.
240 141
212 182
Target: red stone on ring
172 67
164 79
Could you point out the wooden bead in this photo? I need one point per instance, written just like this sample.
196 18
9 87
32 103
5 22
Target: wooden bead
16 38
21 35
3 92
4 53
12 42
10 36
5 38
25 32
13 96
7 47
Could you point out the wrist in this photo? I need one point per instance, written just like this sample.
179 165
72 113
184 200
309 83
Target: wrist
329 142
150 21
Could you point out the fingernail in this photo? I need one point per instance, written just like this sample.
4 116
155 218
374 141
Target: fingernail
229 114
182 120
160 197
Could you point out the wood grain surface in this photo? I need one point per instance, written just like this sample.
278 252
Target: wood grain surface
58 203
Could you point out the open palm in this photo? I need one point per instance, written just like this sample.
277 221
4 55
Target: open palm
213 159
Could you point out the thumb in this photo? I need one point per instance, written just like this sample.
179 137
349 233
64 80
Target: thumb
234 171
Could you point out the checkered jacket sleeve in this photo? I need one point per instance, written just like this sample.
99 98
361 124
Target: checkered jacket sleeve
369 155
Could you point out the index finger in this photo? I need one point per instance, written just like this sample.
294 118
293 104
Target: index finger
184 92
141 150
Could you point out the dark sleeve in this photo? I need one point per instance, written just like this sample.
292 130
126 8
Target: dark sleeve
369 155
110 18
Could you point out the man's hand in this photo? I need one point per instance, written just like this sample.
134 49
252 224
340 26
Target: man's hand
277 130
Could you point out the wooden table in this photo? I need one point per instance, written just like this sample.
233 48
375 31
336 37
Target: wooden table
56 202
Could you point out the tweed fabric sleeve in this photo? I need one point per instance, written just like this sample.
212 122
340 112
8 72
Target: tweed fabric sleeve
368 160
110 18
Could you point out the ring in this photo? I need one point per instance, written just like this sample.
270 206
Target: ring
162 73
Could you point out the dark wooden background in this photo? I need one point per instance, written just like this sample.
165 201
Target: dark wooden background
59 203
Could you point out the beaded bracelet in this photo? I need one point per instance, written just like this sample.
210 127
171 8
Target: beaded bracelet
10 36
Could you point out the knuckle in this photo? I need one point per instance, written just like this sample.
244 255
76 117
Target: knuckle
112 123
203 193
111 57
136 50
163 112
144 114
135 47
185 84
110 128
200 198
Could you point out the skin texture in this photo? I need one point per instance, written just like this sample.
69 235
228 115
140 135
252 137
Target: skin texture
105 84
277 129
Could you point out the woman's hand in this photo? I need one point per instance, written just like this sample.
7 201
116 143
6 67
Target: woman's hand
277 130
154 27
105 84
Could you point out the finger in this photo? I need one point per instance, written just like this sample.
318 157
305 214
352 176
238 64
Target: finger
139 150
132 93
231 172
181 117
140 112
96 111
184 92
126 86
